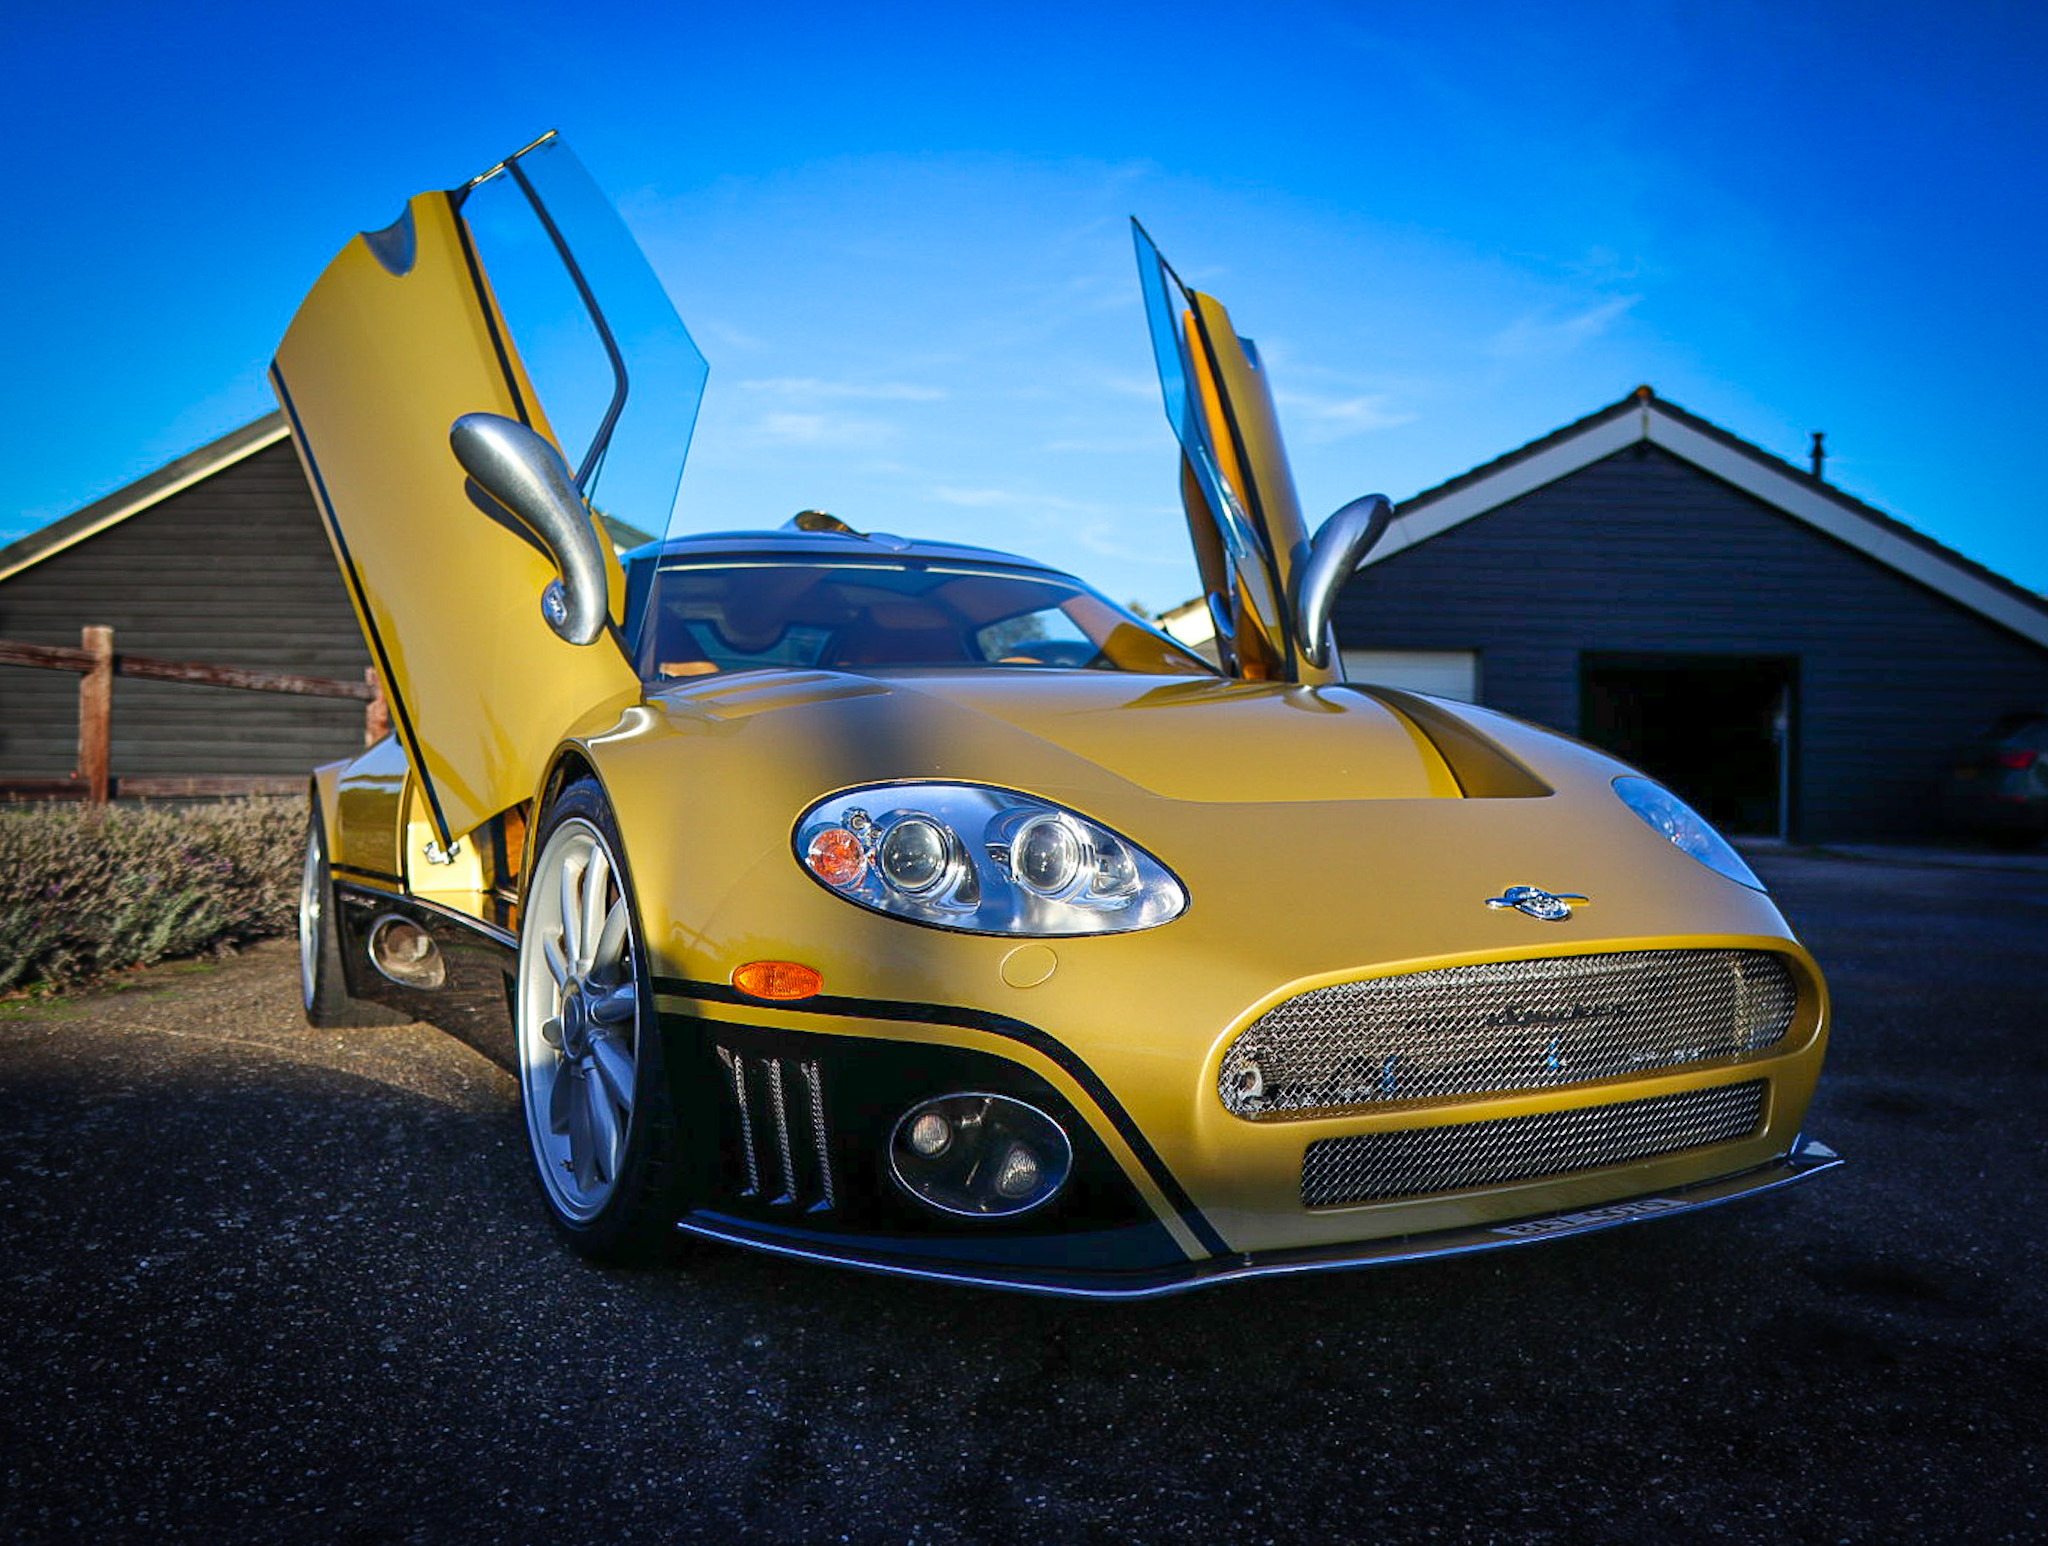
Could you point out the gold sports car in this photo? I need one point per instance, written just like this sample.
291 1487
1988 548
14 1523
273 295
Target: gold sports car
912 907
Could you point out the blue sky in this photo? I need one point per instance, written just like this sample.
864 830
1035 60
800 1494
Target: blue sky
900 236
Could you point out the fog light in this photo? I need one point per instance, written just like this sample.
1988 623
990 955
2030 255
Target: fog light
980 1155
1018 1176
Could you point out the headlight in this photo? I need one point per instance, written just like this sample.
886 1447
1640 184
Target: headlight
915 855
984 861
1688 830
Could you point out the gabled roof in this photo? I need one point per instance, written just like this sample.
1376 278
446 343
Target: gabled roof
1644 416
150 489
193 467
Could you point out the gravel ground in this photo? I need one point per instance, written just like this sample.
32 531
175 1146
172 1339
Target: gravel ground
262 1282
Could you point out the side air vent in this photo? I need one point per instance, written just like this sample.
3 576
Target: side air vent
785 1147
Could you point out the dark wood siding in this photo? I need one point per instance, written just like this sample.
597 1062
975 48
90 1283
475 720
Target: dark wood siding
234 570
1643 552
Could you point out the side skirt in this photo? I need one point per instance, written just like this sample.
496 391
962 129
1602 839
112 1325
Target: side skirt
480 962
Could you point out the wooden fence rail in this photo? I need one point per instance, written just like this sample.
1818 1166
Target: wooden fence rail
97 664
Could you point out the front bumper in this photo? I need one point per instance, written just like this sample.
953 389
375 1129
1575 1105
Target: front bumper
1809 1158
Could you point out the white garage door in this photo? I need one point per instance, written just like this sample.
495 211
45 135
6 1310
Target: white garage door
1445 673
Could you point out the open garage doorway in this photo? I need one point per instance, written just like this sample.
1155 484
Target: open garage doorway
1719 729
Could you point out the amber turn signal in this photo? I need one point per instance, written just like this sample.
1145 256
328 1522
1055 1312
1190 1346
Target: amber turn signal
837 857
777 980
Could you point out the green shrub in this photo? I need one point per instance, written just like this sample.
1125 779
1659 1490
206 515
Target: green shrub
87 892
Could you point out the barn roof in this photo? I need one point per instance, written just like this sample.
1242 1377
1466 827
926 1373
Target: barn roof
193 467
136 497
1643 416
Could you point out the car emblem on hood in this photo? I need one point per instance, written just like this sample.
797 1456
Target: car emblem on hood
1550 906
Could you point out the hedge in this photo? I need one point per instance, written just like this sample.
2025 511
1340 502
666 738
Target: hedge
84 892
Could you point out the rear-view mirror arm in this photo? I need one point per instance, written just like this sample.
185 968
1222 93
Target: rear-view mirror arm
527 476
1337 549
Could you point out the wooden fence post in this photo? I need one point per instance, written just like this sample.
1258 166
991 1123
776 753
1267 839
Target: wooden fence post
376 713
96 665
96 714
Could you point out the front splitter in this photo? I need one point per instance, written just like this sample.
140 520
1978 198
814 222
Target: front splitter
1807 1160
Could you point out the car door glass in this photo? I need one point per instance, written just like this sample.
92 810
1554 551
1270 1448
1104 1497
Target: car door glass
617 376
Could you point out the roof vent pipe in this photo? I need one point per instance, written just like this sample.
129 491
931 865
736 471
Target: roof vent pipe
1819 453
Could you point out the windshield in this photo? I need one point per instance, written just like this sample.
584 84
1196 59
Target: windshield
708 615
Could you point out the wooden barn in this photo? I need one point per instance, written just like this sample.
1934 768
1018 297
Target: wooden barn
1795 662
218 558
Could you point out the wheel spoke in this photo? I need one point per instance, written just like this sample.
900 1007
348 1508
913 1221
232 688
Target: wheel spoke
582 1144
572 912
601 1132
615 1070
597 875
559 1097
616 1006
558 963
609 954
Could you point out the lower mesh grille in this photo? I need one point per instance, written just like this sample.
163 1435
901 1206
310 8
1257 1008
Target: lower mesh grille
1505 1025
1419 1161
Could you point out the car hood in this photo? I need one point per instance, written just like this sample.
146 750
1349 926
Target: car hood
1316 830
1194 739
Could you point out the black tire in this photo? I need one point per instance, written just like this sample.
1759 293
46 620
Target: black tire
593 1084
323 987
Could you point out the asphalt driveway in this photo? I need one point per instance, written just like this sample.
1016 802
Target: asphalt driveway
258 1282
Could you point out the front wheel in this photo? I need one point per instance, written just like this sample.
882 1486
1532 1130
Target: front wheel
599 1120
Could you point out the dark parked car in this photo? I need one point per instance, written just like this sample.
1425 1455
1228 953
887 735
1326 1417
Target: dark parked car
1998 789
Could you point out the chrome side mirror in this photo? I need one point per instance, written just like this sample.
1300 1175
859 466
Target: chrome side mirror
1337 549
527 478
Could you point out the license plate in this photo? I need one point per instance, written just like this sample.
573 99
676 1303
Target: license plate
1591 1218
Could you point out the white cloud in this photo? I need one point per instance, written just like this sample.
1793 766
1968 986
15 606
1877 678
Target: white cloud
979 498
1113 445
810 388
1103 531
1122 538
1321 419
1606 265
1128 385
1540 334
723 337
819 429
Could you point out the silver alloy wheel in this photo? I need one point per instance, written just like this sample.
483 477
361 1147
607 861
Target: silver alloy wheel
579 1019
312 913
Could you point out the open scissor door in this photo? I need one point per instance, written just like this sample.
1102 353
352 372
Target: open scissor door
1269 588
519 295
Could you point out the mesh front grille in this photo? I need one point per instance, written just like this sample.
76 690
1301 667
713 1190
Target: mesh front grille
1508 1025
1418 1161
